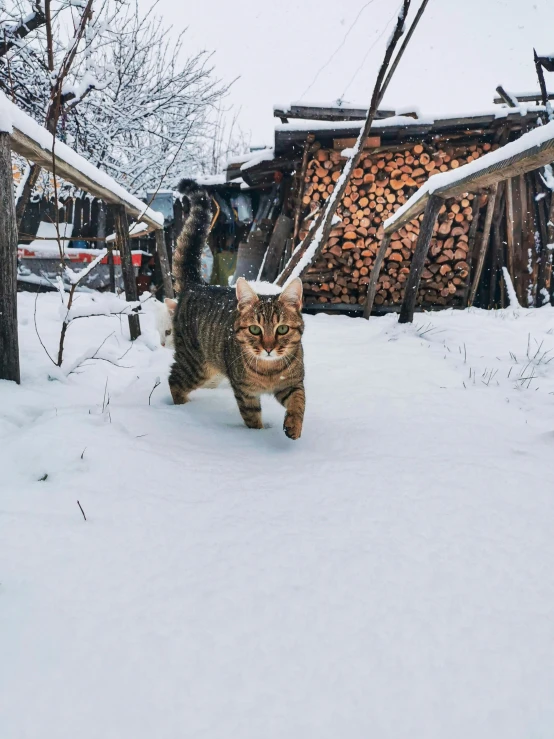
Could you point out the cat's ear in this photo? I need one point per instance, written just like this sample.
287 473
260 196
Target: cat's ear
292 294
246 295
170 304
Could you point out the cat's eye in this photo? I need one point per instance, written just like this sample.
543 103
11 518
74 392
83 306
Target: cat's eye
256 330
167 331
282 329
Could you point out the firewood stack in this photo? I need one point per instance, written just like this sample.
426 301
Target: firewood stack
382 183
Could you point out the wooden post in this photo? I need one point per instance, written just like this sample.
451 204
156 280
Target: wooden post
483 245
129 282
375 274
471 242
496 255
510 229
545 256
300 186
9 344
161 248
551 242
277 243
430 216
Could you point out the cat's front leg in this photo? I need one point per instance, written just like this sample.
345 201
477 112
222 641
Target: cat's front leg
250 408
294 400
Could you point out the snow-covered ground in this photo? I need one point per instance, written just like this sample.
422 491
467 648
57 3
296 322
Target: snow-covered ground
389 575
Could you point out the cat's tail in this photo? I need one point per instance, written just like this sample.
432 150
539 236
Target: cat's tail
191 240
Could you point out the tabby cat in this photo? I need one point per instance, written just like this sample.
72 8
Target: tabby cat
253 340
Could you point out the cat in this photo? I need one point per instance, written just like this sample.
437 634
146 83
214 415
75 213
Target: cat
164 321
253 340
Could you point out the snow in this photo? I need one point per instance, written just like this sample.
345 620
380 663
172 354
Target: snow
535 137
257 157
22 122
390 574
404 120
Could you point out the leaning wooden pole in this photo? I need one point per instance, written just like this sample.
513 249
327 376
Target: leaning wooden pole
430 216
324 221
375 274
161 248
129 283
483 245
9 344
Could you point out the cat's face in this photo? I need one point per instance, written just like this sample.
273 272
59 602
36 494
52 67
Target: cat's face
164 321
269 327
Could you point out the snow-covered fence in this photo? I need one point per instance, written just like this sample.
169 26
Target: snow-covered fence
20 133
533 150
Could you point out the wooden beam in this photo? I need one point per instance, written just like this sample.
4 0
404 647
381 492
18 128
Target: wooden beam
483 245
161 248
432 209
129 281
545 255
510 230
277 243
520 163
320 113
9 343
525 98
375 274
27 147
505 97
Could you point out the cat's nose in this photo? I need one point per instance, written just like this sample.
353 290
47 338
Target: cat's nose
269 351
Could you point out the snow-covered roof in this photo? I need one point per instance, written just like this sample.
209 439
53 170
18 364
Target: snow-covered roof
443 181
20 125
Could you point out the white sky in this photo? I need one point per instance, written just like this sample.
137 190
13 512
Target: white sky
461 50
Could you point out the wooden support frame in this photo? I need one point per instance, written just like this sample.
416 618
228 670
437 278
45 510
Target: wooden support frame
375 274
161 248
434 204
483 245
129 282
9 342
275 249
521 162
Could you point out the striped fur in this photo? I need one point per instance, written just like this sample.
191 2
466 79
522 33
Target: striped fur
213 336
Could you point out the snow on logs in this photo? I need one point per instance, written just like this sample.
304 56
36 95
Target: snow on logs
382 183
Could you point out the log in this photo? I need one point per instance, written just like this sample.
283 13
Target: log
484 243
129 281
375 273
432 208
9 343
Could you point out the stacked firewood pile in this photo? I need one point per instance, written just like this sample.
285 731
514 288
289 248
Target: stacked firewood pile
382 183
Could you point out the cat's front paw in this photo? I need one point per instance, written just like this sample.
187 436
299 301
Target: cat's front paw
292 426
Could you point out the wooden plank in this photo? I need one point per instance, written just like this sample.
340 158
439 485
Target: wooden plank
496 255
371 142
129 282
434 204
321 113
161 248
30 149
510 250
277 243
545 255
524 98
483 245
520 163
375 274
9 343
